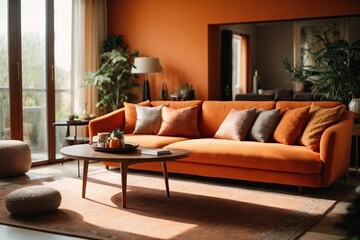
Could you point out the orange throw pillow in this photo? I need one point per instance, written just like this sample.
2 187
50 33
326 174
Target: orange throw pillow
181 122
130 115
291 125
320 119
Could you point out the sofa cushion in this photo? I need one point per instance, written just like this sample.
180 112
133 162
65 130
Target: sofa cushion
148 119
320 119
179 122
152 140
264 125
291 125
252 155
147 141
214 112
236 124
130 115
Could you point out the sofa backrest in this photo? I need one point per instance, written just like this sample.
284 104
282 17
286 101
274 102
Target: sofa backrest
179 104
283 105
214 112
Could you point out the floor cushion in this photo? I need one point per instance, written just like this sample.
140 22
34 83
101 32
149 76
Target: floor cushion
15 158
33 200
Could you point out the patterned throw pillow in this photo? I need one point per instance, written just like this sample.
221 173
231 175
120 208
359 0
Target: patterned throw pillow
291 125
148 119
236 125
181 122
320 119
130 115
264 125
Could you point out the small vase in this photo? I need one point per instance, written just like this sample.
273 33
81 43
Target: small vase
354 106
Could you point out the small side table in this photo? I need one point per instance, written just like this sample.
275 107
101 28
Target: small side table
73 140
356 133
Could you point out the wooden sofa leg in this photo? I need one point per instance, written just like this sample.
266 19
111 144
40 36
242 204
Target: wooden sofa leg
107 167
300 189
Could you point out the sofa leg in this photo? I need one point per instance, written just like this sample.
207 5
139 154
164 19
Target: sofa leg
107 167
300 189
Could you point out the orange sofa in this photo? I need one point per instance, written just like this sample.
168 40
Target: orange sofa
269 162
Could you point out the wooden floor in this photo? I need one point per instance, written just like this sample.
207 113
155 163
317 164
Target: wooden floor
323 230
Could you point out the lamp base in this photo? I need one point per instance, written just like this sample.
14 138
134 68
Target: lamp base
146 91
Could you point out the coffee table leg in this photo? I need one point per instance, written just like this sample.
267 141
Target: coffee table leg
123 168
164 167
85 174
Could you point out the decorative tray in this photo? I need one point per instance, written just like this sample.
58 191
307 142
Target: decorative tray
128 147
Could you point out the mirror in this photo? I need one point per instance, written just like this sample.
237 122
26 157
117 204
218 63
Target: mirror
272 42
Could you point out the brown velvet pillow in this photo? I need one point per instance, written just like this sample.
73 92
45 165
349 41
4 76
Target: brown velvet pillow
181 122
130 115
291 125
236 125
320 119
148 119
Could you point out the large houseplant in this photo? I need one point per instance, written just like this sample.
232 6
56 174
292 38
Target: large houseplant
114 80
337 70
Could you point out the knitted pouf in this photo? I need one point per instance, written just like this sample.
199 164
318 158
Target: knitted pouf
15 158
33 200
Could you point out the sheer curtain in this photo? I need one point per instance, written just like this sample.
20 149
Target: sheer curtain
78 54
89 30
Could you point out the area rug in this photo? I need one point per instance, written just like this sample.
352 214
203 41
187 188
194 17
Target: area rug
197 209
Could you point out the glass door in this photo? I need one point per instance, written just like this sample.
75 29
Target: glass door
5 132
34 86
62 60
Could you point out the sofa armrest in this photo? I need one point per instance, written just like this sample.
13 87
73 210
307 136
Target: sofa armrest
335 149
107 122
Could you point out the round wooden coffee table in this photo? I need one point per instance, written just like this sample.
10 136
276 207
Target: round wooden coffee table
86 153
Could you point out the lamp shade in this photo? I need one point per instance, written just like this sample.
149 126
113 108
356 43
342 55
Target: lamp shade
146 65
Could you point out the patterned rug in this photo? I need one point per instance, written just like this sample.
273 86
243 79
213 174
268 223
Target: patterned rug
199 208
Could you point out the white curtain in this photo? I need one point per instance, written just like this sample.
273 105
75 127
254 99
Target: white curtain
78 54
89 30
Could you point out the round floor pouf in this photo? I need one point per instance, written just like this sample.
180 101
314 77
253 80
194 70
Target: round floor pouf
33 200
15 158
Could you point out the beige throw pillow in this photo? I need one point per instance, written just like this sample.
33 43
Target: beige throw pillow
148 119
130 115
236 125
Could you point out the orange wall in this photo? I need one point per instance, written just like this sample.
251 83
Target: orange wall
176 31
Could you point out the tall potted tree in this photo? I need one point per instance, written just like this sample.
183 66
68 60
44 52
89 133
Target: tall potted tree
337 70
114 80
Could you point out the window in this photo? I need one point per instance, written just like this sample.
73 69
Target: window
236 64
240 64
36 87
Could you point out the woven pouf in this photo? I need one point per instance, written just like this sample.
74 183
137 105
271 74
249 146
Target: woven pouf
33 200
15 158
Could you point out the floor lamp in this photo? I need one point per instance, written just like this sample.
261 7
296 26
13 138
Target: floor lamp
146 65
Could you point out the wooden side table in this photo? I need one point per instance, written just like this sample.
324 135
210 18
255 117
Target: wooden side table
356 133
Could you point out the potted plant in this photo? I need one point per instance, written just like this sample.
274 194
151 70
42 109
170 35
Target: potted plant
337 70
114 80
300 75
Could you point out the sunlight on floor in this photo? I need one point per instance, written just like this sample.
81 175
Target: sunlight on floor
170 233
